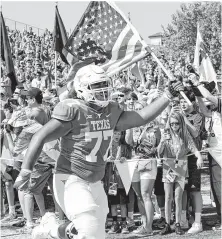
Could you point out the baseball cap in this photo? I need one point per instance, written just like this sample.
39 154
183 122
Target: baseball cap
32 92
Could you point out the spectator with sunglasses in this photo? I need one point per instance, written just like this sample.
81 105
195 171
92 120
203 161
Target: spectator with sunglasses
121 99
174 146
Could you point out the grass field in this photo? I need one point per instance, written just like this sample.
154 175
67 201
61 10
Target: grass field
208 215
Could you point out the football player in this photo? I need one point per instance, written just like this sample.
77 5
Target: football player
85 126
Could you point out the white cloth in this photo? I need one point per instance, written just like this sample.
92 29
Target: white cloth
84 203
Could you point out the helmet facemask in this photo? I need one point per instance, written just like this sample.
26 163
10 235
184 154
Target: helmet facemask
93 85
101 90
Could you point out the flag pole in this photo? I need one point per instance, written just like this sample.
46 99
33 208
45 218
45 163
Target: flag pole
56 4
168 74
55 68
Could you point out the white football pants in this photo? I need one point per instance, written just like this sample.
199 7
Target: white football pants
84 203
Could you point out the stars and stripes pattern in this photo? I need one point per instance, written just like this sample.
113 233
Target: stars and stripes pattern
106 35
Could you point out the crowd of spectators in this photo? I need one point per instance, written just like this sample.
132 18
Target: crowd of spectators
179 131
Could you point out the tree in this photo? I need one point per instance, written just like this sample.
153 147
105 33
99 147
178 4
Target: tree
179 37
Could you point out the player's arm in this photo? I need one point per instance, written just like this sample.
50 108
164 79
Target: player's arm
53 130
131 119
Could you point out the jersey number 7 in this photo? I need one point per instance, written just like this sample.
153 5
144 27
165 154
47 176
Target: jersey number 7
99 136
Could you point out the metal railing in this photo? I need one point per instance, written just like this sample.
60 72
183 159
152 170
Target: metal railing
15 25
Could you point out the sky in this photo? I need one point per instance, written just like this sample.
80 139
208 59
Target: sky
146 16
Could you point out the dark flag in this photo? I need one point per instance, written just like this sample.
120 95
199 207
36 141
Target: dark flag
60 37
6 55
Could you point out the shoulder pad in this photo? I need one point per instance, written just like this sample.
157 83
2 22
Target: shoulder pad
66 110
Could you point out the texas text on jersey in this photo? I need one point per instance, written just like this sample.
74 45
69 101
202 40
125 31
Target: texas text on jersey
84 149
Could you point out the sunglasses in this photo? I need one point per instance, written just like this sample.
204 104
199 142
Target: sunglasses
174 123
121 95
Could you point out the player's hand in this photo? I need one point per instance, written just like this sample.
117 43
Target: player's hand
175 87
199 163
22 180
122 159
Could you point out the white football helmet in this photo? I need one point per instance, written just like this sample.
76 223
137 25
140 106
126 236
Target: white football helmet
92 84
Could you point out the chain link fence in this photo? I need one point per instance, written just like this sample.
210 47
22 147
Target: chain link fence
15 25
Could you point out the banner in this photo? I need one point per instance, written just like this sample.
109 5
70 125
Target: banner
60 37
126 171
6 55
202 61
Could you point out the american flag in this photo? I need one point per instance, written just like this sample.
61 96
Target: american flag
105 34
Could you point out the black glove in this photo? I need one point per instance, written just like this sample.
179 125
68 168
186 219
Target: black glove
175 87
